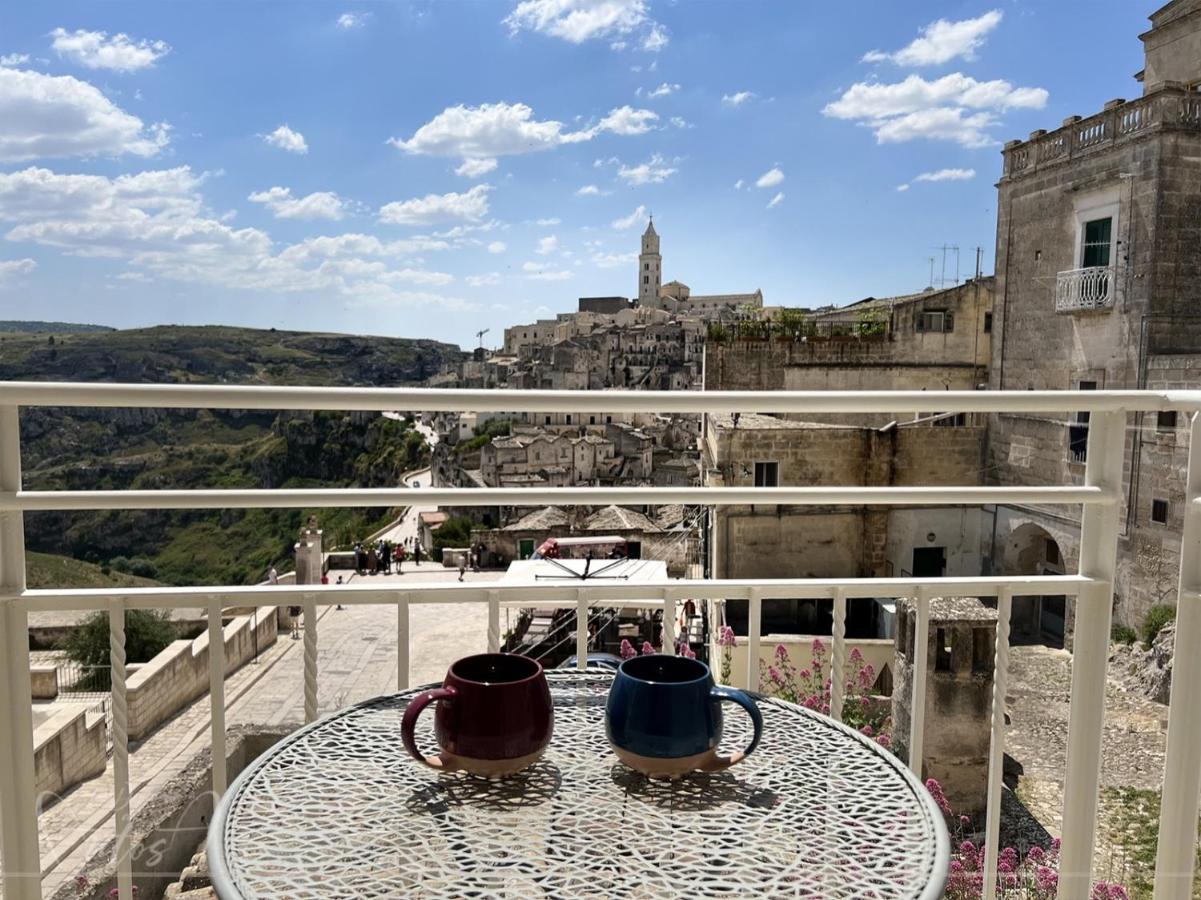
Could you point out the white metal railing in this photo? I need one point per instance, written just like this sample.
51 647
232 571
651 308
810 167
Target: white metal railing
1091 585
1080 290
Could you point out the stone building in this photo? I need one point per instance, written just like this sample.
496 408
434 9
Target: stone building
935 340
959 683
669 535
1098 267
677 297
788 541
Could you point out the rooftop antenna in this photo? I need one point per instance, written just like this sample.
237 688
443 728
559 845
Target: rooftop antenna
930 259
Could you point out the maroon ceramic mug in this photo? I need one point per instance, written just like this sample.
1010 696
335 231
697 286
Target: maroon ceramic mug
494 716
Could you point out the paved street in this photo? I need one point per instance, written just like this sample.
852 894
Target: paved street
356 660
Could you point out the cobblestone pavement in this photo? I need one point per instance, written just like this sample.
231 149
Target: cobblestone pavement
356 660
1037 703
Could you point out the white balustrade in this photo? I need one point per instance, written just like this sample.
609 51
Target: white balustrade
1082 290
1090 588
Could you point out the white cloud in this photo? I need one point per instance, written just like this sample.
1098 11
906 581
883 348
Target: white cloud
318 205
776 200
432 209
157 223
14 59
96 50
579 20
287 139
476 168
903 187
663 90
546 223
588 190
497 247
680 122
947 175
350 20
656 39
614 260
538 272
939 109
737 99
942 41
631 220
739 184
484 280
626 120
507 129
654 171
547 245
57 115
770 178
13 268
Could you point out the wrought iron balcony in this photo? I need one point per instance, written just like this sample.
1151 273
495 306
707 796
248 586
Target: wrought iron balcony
1085 290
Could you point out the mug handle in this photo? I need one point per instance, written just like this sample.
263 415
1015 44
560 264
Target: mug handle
721 692
409 722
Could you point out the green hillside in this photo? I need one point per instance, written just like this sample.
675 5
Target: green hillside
94 449
45 570
49 327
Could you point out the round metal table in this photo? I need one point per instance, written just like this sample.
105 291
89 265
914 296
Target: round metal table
338 809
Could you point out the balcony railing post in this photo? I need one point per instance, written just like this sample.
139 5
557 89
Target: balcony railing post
1090 653
1176 855
754 637
402 642
838 653
18 797
116 656
493 621
310 658
216 631
581 630
996 745
669 622
921 656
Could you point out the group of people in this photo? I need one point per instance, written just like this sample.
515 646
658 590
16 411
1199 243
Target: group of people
378 558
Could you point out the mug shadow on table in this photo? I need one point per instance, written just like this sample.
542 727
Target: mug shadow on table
695 792
531 787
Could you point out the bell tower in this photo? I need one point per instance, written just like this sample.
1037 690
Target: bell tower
650 268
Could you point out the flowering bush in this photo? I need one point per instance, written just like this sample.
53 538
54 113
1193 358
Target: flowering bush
811 688
1034 876
725 640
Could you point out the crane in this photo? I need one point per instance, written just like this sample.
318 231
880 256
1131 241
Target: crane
480 335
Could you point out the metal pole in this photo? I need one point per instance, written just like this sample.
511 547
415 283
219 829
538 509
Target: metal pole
493 622
754 637
216 631
310 658
838 653
1090 655
1176 855
116 654
18 799
996 746
921 656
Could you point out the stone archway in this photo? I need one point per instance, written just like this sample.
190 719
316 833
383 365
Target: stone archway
1032 550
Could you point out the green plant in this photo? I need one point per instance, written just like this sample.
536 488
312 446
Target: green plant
791 323
454 532
147 631
718 332
1157 617
1122 634
871 323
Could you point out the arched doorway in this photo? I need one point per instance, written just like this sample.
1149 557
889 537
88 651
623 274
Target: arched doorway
1031 550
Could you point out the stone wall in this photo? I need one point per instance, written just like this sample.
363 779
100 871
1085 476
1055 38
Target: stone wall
43 682
67 748
180 673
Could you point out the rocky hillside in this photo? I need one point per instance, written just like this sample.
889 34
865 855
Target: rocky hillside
90 449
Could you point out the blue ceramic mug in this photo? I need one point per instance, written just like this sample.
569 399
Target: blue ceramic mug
663 716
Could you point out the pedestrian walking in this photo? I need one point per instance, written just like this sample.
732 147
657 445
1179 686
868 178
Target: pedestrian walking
462 565
400 560
272 576
372 561
294 614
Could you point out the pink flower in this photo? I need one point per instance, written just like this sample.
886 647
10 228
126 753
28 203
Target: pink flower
627 649
867 730
688 652
1046 879
965 821
725 636
781 651
818 646
774 674
647 649
1036 855
856 656
884 741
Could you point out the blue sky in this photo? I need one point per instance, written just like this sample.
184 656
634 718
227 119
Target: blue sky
430 169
